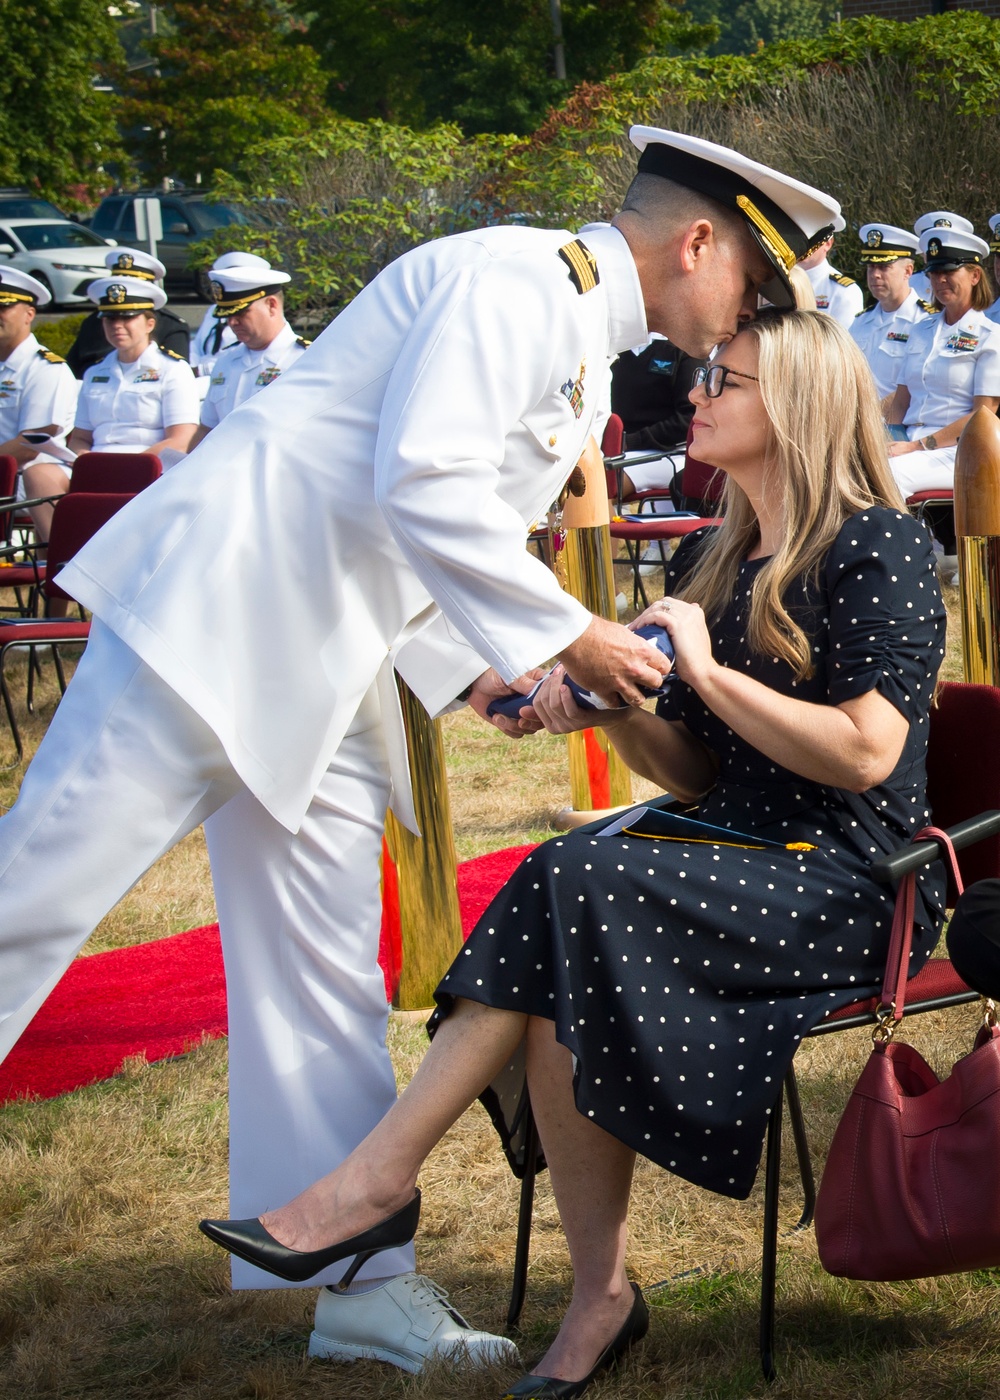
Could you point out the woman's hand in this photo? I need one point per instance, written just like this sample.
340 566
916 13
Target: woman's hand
899 449
560 714
688 631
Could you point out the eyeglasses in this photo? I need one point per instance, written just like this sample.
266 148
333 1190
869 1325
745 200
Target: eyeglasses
713 378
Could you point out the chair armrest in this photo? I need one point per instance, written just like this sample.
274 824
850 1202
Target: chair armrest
7 506
889 868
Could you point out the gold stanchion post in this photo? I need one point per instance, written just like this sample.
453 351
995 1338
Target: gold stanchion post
591 578
429 917
977 525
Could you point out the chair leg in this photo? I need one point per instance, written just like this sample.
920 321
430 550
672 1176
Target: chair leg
8 706
519 1283
801 1149
769 1258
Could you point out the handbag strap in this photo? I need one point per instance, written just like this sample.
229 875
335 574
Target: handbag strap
897 964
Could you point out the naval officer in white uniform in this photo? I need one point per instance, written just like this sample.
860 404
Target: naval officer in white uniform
836 293
37 388
366 514
249 298
883 333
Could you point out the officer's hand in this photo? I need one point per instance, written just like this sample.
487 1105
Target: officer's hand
614 662
490 685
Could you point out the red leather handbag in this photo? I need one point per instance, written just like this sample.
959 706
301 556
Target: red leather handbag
911 1186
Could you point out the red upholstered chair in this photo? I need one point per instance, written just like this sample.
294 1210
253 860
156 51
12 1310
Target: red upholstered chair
116 472
78 515
963 771
18 575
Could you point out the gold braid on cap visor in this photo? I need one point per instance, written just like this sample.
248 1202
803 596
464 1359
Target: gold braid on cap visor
10 297
773 239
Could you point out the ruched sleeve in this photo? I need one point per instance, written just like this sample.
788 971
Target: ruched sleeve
885 617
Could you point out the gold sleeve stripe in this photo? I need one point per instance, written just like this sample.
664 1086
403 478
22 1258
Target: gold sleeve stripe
582 266
767 231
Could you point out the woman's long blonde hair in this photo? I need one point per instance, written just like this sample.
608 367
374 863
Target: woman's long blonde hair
827 460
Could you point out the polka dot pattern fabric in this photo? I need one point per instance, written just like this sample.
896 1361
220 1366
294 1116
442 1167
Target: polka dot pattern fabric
682 976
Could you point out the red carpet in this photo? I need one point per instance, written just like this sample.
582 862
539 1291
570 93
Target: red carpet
158 999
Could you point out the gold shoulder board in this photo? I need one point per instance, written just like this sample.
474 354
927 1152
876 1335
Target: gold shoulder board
172 354
927 306
582 265
843 279
45 353
300 340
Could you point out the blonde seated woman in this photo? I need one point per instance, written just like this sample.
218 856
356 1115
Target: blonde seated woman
139 398
651 993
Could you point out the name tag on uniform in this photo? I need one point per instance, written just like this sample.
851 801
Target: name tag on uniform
266 376
218 379
101 379
148 376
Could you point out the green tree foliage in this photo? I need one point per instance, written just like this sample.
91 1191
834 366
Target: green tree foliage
892 118
57 131
744 27
486 67
335 206
226 75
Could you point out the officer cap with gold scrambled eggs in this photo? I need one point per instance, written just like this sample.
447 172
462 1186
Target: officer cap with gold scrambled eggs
885 243
786 218
240 279
133 262
125 296
16 286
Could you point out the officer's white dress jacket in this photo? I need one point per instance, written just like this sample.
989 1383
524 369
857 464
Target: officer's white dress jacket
370 509
239 372
835 292
883 336
36 388
946 367
127 406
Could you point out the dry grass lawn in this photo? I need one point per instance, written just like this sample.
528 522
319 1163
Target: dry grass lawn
107 1291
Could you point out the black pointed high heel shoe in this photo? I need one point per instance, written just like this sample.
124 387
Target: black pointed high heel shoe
633 1329
250 1241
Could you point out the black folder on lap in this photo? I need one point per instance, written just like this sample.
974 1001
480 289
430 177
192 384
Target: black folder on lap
658 823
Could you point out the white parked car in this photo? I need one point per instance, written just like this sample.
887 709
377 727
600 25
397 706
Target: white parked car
63 256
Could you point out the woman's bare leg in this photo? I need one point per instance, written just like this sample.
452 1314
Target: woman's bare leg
591 1179
470 1047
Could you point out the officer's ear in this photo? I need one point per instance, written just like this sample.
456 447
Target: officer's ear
696 245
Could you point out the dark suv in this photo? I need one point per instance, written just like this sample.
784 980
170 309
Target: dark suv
186 218
18 202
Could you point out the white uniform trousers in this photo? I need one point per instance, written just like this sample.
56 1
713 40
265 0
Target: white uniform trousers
125 771
924 471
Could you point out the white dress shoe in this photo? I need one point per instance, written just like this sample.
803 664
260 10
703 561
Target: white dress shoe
406 1321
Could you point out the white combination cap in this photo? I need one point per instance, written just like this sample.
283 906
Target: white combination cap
16 286
133 262
244 279
995 234
883 243
125 296
945 249
943 218
787 219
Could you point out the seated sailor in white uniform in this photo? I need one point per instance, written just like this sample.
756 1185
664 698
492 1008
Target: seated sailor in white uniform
835 292
250 299
883 333
140 397
951 368
940 219
37 391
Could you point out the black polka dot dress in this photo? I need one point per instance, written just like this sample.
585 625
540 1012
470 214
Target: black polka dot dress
682 975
